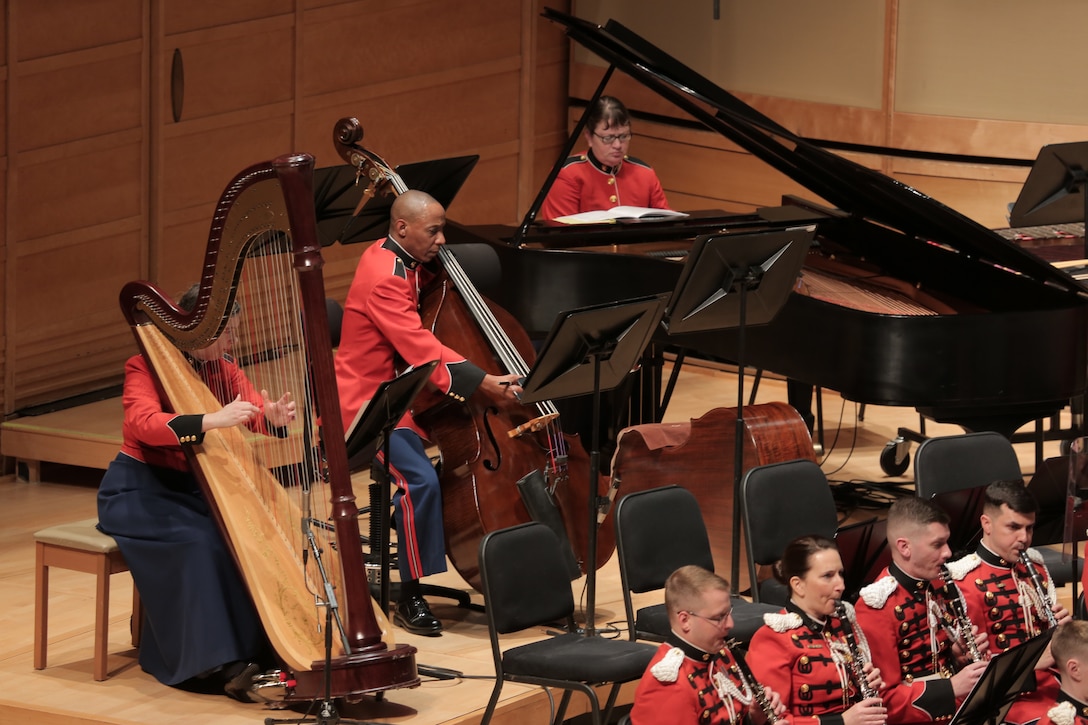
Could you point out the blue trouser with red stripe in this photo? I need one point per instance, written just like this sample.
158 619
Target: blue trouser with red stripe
417 502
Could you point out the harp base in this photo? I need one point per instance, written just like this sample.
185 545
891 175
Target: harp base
355 675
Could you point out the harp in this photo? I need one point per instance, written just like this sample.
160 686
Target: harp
282 496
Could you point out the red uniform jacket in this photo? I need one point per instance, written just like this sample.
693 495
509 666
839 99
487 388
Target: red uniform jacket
585 184
684 685
903 619
1000 596
152 433
1047 707
802 660
382 334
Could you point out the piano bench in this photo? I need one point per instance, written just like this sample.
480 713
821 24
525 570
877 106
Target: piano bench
79 546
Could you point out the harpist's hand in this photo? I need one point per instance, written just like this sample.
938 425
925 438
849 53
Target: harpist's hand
236 412
280 412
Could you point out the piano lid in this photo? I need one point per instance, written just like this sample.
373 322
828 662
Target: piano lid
861 192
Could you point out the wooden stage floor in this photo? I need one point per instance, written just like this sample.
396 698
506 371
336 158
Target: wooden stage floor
65 691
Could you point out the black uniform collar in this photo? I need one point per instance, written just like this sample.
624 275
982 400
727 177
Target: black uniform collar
410 262
1082 709
993 559
916 587
812 624
601 167
690 651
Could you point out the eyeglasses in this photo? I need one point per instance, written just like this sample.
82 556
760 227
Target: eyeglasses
613 138
716 621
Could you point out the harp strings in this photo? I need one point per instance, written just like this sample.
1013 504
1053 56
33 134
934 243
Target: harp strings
268 345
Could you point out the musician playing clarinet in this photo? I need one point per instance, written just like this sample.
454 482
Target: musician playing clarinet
203 631
694 677
908 616
1008 589
811 653
382 333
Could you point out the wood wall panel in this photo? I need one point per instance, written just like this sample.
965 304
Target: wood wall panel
181 252
77 341
346 48
76 192
81 101
181 16
92 187
52 27
3 107
250 66
196 167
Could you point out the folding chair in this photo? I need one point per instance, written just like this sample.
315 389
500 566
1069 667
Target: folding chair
781 501
525 585
657 532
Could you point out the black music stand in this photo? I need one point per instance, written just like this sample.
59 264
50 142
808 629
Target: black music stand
725 275
367 433
1055 192
591 350
337 197
1006 676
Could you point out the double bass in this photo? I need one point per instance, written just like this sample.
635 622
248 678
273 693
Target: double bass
491 448
284 503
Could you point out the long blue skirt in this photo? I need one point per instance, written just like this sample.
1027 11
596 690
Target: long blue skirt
199 615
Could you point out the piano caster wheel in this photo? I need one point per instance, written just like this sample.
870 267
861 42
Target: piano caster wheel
895 458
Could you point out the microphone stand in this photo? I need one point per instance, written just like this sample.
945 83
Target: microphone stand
326 710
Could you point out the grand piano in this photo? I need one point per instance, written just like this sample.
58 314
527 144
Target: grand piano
902 301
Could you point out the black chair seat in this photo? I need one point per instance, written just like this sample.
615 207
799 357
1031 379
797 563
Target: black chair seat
577 657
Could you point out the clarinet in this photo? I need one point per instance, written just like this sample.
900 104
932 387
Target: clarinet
758 693
857 659
1037 582
959 614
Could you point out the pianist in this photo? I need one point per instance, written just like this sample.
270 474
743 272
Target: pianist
604 176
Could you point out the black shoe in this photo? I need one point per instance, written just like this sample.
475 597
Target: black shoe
240 685
414 615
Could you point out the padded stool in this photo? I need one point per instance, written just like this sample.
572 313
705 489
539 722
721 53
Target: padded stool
81 547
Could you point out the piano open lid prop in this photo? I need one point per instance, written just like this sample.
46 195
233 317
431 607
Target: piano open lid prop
921 306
